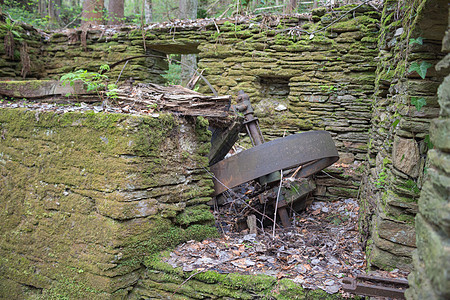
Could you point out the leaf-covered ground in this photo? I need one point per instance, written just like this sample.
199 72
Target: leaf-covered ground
320 249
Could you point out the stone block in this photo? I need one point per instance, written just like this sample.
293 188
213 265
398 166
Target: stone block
434 251
391 247
439 159
405 156
84 190
434 201
396 231
386 260
440 133
420 286
444 96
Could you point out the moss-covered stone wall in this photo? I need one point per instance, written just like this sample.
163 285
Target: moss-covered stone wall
86 197
431 278
404 105
52 55
320 77
24 44
162 281
300 74
88 50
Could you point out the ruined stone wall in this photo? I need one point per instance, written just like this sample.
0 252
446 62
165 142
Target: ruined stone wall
52 55
301 74
405 103
22 46
86 197
162 281
320 77
431 278
88 50
343 71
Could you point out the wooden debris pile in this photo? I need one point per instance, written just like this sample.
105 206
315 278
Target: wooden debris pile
176 99
137 98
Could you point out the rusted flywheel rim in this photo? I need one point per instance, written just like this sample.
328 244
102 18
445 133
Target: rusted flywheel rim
313 150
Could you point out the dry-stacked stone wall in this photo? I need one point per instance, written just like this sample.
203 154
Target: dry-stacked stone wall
431 262
300 75
300 80
20 51
51 55
88 50
405 103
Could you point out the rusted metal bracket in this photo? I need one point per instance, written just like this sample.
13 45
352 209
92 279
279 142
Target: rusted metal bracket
376 286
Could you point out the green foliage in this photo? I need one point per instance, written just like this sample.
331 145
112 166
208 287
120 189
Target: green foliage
337 219
411 185
173 74
9 26
418 102
328 88
427 140
383 175
382 178
111 91
28 12
93 81
418 41
420 69
395 123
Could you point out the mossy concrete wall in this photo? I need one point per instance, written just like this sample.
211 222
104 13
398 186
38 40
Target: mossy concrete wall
86 197
399 136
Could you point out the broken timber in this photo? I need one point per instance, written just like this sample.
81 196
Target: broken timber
175 98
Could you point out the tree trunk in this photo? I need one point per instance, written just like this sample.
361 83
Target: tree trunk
92 12
188 67
42 8
291 5
115 11
137 6
188 9
54 10
148 11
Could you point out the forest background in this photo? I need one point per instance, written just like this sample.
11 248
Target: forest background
56 14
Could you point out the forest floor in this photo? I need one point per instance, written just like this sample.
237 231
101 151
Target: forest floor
320 248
